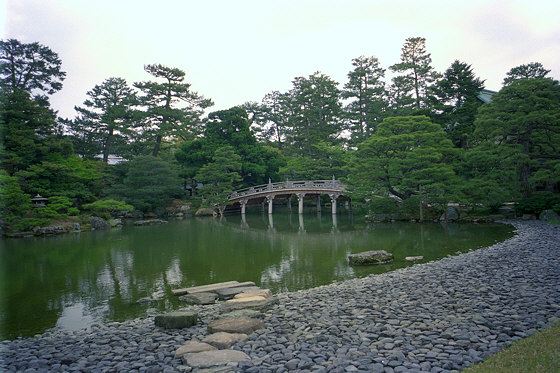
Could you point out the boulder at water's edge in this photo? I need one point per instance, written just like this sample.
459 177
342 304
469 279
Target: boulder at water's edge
371 257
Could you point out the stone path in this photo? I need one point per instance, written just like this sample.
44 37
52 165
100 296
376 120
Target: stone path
434 317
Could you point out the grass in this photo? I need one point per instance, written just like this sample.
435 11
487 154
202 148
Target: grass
538 353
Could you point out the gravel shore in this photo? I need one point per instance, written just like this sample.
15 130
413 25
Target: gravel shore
433 317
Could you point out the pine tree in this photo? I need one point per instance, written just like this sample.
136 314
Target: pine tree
172 109
417 73
366 91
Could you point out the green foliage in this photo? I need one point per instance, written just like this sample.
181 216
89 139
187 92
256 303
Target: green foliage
14 202
366 90
163 118
230 128
220 175
315 113
406 156
72 177
29 67
327 161
529 71
57 207
150 182
455 101
108 205
381 205
538 202
105 119
417 74
523 122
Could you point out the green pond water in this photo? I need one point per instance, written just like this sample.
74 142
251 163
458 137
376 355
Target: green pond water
73 280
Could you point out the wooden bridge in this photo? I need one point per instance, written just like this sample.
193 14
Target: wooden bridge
267 192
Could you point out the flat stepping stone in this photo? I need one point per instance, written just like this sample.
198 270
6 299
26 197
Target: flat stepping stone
211 287
265 293
203 288
253 314
223 340
246 299
259 305
228 293
199 298
176 319
414 258
192 347
243 325
208 359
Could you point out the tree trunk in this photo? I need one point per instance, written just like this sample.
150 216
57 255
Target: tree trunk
157 146
107 146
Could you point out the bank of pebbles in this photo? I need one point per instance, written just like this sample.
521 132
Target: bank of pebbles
432 317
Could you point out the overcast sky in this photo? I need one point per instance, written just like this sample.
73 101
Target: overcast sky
234 51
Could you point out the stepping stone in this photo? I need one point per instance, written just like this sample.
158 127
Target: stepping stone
211 287
242 325
265 293
224 340
204 288
192 347
176 319
259 305
199 298
208 359
414 258
253 314
246 299
229 293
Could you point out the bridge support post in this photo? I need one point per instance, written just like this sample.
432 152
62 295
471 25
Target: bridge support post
300 202
243 203
333 202
269 199
318 203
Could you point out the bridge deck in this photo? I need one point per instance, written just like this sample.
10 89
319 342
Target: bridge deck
289 187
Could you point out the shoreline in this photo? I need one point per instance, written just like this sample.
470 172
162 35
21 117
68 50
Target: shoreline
438 316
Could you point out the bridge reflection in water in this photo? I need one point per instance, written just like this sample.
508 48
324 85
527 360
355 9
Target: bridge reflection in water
285 189
301 227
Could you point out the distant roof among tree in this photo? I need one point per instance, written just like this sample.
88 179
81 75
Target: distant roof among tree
486 95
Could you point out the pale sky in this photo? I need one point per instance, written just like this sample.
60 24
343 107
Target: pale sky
234 51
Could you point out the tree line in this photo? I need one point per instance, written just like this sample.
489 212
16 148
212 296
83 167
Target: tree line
424 137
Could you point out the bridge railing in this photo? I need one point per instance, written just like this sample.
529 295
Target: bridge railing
289 185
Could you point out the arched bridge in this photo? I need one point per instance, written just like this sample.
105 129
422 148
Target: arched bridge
267 192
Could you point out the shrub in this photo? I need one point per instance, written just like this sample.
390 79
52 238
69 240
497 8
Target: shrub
108 206
538 202
383 205
57 207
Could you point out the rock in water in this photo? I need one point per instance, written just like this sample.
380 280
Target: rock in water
176 320
549 215
204 212
414 258
99 223
452 214
199 298
243 325
229 293
371 257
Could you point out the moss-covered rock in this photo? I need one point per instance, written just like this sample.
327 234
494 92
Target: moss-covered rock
371 257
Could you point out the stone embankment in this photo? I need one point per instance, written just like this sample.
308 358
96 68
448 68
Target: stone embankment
433 317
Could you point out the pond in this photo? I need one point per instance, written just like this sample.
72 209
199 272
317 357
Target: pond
71 281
